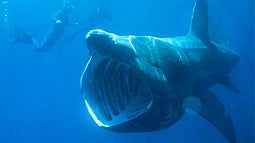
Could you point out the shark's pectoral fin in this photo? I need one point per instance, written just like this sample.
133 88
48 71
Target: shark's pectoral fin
213 111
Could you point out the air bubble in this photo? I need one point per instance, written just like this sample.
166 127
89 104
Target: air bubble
5 12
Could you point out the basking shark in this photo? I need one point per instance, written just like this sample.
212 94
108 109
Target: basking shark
144 83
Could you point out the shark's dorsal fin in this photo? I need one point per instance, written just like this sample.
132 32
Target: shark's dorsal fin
199 22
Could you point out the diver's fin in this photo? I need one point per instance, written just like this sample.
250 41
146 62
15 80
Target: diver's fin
21 36
199 22
213 111
226 81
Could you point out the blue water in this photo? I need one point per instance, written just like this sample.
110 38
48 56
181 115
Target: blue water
40 99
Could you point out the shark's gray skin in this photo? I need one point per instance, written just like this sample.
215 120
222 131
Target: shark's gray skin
144 83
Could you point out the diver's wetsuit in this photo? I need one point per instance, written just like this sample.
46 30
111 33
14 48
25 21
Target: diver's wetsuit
101 14
60 23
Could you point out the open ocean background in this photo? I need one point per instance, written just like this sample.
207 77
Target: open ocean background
40 99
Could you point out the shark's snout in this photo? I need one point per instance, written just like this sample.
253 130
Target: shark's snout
109 45
100 42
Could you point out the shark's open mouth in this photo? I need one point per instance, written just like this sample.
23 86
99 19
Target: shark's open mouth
113 92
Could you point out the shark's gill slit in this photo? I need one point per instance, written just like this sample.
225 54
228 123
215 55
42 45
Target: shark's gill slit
100 98
110 99
101 102
119 96
124 87
123 74
109 85
137 84
115 86
119 93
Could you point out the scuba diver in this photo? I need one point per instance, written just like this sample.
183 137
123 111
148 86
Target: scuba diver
101 14
60 20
